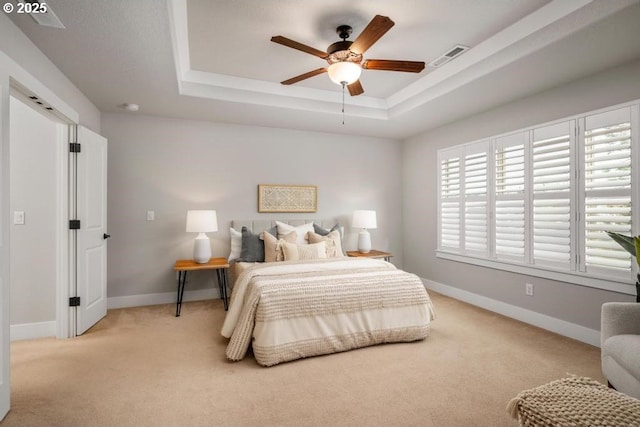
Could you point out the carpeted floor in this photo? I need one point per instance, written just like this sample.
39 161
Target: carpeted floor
144 367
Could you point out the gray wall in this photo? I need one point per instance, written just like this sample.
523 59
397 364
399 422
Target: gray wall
34 178
573 303
172 165
17 46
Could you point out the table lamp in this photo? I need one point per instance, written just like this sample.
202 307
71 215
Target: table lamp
201 222
364 220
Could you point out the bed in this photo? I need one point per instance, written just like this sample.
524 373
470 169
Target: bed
303 305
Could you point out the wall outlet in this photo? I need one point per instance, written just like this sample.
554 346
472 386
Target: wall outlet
528 289
151 216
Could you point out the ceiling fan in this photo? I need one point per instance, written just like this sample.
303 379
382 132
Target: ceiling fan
345 57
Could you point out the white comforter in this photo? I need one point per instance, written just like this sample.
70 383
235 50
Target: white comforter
288 310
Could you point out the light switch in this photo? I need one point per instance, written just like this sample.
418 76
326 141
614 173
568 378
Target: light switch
151 216
18 217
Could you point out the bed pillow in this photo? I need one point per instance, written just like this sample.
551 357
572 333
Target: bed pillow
302 231
304 252
273 246
323 232
331 240
252 246
236 244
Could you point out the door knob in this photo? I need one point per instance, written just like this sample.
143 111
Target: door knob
106 236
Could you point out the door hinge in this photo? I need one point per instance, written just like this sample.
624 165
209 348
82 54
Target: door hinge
74 147
74 302
74 224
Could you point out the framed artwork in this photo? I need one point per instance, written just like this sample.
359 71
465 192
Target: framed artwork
287 198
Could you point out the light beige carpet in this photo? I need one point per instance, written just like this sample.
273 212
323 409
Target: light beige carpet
145 367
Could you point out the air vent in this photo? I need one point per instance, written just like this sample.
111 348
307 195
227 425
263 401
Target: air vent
42 13
446 57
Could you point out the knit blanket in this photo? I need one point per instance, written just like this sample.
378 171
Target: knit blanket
295 309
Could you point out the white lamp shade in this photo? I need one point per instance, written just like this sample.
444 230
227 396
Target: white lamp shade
344 72
364 219
202 221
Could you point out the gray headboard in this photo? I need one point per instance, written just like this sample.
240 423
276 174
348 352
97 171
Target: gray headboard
259 225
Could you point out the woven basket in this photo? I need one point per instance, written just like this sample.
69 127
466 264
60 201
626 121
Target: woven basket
574 402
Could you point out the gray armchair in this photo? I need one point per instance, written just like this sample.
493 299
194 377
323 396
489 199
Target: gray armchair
620 346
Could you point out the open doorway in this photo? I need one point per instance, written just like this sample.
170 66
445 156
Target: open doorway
38 188
58 199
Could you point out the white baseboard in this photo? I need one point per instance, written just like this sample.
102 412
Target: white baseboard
161 298
561 327
29 331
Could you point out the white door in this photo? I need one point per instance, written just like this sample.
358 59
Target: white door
91 198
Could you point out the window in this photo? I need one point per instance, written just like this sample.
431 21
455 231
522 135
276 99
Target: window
542 198
607 188
510 197
449 212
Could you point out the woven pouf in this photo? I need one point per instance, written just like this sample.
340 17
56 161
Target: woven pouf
573 402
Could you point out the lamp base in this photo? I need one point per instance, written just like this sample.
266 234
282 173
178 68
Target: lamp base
202 249
364 242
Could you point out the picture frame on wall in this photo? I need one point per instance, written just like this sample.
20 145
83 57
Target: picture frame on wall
287 198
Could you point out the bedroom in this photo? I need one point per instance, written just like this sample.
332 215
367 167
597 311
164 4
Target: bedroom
351 171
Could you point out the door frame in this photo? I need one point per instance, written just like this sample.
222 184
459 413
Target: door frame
23 87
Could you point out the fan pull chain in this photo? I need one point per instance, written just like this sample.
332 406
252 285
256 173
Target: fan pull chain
343 85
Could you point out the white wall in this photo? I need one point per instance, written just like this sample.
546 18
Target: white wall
572 303
34 177
172 165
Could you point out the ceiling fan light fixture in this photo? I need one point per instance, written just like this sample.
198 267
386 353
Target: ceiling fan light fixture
344 73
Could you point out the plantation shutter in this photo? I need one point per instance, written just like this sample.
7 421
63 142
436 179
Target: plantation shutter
607 191
450 200
510 197
553 185
476 187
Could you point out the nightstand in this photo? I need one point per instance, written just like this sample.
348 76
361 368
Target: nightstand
371 254
183 266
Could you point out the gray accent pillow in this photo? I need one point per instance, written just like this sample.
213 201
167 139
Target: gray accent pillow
252 246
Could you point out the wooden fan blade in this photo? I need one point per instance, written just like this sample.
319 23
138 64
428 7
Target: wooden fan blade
378 26
296 79
389 65
355 88
299 46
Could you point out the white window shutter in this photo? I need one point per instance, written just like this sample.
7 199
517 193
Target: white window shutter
510 197
476 190
553 197
449 208
607 190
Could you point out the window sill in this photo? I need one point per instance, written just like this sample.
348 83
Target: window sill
582 279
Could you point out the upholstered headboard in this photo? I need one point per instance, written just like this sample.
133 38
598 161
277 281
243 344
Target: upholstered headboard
259 225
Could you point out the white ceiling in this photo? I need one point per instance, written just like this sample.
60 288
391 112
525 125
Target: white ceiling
213 59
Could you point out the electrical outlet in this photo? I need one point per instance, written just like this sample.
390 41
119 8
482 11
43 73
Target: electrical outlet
528 289
151 216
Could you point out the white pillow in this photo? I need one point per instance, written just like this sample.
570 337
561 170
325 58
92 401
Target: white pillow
304 252
302 231
236 244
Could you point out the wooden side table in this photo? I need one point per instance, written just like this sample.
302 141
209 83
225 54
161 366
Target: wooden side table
371 254
183 266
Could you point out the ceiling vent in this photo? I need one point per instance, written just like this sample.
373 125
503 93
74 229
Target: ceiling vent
446 57
42 13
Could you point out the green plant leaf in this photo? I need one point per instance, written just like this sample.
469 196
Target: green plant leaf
626 242
637 242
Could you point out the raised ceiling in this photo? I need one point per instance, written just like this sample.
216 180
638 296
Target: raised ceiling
213 59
